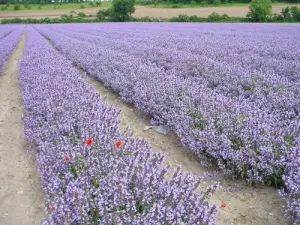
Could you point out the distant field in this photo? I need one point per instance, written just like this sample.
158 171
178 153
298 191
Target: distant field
69 6
141 11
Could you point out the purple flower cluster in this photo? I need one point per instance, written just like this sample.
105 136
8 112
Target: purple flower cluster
9 38
291 192
101 183
229 91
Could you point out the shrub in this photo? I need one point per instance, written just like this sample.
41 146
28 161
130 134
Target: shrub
81 14
98 4
66 18
146 19
122 9
225 16
145 2
295 13
286 13
260 10
103 13
216 2
176 6
17 7
82 7
193 2
3 8
92 4
214 17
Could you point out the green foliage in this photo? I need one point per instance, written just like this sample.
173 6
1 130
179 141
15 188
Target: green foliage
92 4
260 10
94 182
27 6
148 2
287 15
214 17
3 8
82 7
176 6
122 9
216 2
103 14
98 4
146 19
73 171
142 207
181 18
275 180
81 14
17 7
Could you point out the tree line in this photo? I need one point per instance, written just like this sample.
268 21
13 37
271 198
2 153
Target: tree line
42 2
143 2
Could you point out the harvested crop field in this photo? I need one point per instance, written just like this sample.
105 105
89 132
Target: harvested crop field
223 98
141 11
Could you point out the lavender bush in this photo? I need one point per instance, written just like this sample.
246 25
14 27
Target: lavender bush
210 116
9 39
230 92
291 191
91 172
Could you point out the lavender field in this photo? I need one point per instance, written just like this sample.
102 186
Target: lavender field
230 92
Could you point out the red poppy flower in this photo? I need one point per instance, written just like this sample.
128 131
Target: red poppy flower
118 143
223 205
67 158
89 141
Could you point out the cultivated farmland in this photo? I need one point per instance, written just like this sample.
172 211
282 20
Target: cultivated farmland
229 92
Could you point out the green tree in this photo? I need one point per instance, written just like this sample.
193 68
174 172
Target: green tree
122 9
260 10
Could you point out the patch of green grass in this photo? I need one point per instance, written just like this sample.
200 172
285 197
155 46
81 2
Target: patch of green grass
199 5
57 6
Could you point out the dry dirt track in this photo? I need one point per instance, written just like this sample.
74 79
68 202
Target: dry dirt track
143 11
21 201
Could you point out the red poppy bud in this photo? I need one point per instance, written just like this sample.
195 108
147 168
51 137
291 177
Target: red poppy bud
118 143
89 141
67 158
223 205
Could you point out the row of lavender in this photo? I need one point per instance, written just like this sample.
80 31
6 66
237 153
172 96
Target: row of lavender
91 172
223 126
247 120
9 38
268 86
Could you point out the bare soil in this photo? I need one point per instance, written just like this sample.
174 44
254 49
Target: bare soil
21 199
141 11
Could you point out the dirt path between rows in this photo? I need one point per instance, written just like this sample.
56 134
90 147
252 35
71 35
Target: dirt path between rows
21 200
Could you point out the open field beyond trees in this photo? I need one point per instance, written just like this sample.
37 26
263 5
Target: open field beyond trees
141 11
78 97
